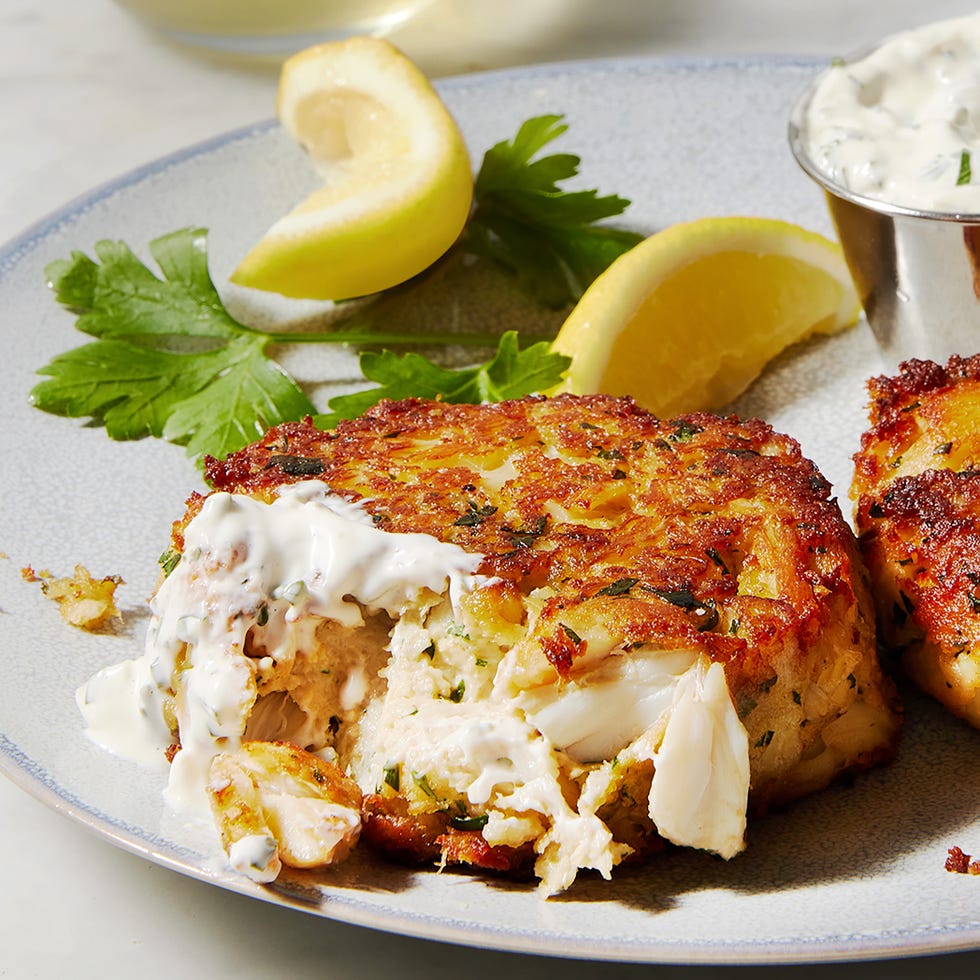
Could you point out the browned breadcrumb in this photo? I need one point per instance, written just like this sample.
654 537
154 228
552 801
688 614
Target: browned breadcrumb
83 601
959 863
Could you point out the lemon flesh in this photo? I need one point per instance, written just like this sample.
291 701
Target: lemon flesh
687 319
397 183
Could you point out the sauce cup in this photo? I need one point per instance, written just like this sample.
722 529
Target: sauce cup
917 272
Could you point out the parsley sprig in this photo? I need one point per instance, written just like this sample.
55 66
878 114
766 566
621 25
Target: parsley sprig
545 236
510 373
168 359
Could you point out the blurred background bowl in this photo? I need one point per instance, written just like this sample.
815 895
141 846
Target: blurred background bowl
271 28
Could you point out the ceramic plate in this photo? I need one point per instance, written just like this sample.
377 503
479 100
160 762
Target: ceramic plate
854 872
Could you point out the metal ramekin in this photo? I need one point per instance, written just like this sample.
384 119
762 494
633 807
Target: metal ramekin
917 273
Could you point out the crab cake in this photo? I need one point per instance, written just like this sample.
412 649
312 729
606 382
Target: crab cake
543 634
917 491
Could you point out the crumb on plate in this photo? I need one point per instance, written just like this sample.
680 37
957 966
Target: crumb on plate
960 863
83 601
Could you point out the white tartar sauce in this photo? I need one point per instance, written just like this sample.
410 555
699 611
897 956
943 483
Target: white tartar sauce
902 125
275 569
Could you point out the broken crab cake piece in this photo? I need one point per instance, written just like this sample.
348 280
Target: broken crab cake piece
275 804
544 632
917 493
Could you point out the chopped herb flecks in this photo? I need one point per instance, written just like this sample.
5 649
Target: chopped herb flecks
684 432
422 782
169 560
966 170
296 465
475 515
713 554
468 822
522 538
621 586
391 775
704 609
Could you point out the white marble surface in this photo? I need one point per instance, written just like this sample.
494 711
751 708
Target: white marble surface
85 95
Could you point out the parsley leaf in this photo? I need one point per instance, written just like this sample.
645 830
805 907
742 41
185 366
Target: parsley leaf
170 361
511 373
248 395
122 298
542 234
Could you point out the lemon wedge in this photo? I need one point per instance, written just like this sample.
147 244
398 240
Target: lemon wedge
687 319
397 183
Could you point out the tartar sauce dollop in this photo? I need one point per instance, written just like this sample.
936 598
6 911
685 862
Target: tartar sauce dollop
277 568
902 125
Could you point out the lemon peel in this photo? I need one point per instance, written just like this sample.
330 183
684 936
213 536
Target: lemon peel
397 182
687 319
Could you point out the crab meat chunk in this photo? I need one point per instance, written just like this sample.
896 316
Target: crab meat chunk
276 804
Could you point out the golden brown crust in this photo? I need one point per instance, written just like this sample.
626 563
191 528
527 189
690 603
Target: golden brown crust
407 838
428 838
728 531
917 493
925 417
